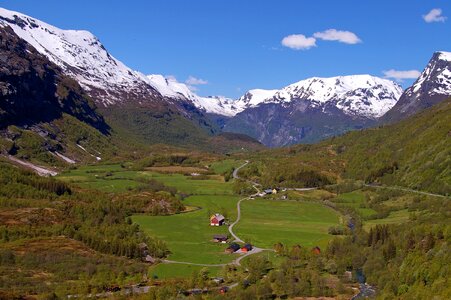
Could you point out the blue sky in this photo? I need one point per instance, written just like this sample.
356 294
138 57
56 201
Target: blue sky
235 45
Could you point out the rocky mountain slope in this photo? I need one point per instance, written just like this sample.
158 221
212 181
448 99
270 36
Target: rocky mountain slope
126 98
432 87
44 114
313 109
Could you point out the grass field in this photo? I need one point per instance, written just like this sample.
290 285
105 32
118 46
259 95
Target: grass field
354 199
395 217
189 235
266 222
189 186
225 165
115 178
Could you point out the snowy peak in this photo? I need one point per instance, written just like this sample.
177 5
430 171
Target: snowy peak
81 55
435 78
171 88
432 87
255 97
361 95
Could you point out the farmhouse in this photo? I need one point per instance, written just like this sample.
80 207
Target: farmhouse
268 191
246 248
233 247
271 191
217 220
220 238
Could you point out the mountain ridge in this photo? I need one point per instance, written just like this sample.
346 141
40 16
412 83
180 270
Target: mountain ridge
433 86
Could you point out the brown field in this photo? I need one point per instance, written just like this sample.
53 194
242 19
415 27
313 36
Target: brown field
53 244
25 216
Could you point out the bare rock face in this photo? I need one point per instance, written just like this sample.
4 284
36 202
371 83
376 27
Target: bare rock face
33 89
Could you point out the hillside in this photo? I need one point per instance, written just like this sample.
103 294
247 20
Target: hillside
45 115
415 153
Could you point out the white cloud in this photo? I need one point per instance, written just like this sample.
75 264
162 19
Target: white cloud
195 81
346 37
299 42
435 15
401 75
171 78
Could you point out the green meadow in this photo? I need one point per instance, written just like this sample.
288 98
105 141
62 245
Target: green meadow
266 222
115 178
189 235
395 217
355 199
222 166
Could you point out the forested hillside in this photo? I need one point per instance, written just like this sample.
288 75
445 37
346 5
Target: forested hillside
415 153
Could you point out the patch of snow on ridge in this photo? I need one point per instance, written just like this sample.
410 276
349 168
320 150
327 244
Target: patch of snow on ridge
170 87
444 55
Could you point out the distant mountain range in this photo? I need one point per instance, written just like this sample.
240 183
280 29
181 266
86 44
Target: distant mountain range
155 109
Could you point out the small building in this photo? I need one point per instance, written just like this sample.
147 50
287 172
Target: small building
274 191
316 250
218 280
233 247
268 191
220 238
217 220
246 248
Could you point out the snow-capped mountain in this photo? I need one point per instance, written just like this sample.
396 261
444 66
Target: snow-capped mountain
313 109
81 55
432 87
361 95
254 97
124 96
171 88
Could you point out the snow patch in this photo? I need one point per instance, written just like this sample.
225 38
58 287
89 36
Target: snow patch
65 158
40 170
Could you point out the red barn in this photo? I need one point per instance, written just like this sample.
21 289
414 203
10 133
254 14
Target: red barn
217 220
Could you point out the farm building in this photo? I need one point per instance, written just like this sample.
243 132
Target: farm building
217 220
316 250
271 191
233 247
220 238
246 248
218 280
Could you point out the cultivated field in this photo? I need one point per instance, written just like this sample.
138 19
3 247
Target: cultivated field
266 222
189 235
